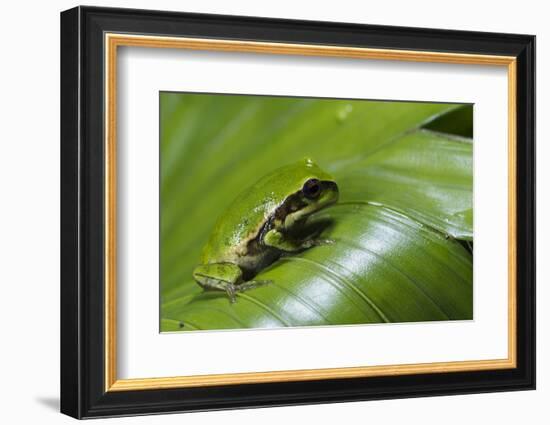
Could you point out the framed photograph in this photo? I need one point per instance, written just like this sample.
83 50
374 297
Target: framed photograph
261 212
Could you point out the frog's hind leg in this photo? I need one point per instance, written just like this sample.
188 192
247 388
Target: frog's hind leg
226 277
219 276
251 284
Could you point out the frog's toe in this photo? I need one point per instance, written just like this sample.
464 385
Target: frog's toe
251 284
318 242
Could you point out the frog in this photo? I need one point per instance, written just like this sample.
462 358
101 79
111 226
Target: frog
262 224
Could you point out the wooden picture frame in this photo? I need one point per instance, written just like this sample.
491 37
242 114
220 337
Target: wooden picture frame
90 39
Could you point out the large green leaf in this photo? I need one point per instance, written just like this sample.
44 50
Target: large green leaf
383 267
406 194
423 174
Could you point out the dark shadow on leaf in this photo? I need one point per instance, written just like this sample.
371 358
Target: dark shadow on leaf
313 228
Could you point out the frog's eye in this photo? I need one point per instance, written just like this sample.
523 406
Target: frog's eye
311 189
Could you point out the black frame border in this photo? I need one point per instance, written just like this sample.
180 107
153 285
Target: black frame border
82 217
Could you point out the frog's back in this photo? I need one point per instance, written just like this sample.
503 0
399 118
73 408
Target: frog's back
243 219
241 222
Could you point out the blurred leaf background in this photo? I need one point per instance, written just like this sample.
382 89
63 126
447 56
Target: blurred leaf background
403 225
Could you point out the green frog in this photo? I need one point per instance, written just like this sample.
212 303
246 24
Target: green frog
262 224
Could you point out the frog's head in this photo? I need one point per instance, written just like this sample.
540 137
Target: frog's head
314 189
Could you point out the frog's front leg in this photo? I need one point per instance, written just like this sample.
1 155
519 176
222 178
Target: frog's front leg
225 277
276 239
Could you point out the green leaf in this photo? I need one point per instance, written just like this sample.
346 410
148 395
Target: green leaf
423 174
383 267
168 325
459 122
405 197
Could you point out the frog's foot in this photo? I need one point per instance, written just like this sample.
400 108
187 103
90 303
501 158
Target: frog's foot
251 284
230 291
276 239
317 242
